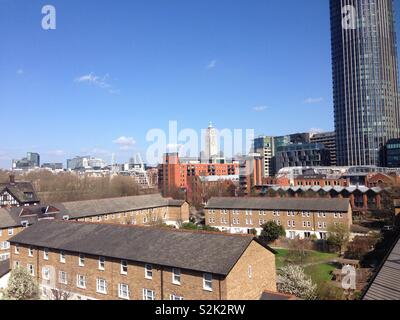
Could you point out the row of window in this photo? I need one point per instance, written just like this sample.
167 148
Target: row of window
148 268
277 213
249 221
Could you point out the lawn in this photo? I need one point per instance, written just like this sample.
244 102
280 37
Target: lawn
285 257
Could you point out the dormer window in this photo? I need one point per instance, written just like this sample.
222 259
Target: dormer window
28 195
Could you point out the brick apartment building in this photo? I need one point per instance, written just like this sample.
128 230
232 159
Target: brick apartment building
173 174
136 210
114 262
300 217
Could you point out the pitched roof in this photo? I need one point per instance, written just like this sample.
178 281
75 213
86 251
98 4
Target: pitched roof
20 190
199 251
79 209
386 284
261 203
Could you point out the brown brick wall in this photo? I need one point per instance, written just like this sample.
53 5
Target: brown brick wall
190 288
261 262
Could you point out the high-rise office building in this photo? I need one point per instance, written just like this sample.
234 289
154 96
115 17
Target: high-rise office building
211 139
365 79
328 139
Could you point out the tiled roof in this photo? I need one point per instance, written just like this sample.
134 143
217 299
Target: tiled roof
199 251
261 203
386 284
20 190
12 217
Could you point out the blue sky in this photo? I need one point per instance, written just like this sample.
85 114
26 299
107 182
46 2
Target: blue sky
113 70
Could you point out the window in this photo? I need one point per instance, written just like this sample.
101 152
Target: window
81 281
123 291
62 277
31 269
148 271
101 286
16 264
81 262
124 267
175 297
46 273
62 256
16 249
102 263
30 252
176 276
207 281
46 254
149 294
10 231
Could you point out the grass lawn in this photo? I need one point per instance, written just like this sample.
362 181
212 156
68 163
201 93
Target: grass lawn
320 273
284 257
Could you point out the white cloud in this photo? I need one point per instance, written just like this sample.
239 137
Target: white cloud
20 72
125 143
211 65
313 100
101 82
260 108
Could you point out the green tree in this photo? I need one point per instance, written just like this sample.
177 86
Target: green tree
21 286
272 232
339 236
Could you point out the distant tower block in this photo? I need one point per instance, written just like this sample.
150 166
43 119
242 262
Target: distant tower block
212 148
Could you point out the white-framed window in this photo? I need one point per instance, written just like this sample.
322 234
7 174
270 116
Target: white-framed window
123 291
207 282
335 215
81 281
1 232
250 271
124 267
10 231
46 254
62 256
62 277
175 297
31 269
148 271
46 273
16 249
176 276
102 263
81 260
149 294
30 251
101 286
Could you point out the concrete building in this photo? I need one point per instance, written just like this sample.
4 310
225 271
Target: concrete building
328 139
86 163
265 146
53 166
365 79
211 142
302 155
31 161
143 263
300 217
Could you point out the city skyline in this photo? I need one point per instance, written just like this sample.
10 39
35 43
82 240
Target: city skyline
236 70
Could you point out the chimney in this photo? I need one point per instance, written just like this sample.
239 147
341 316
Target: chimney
12 178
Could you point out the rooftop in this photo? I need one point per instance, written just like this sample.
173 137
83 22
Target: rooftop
215 253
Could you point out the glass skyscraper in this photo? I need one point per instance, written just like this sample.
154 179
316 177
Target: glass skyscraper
365 79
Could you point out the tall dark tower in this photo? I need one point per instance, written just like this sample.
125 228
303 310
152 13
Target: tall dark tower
365 79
